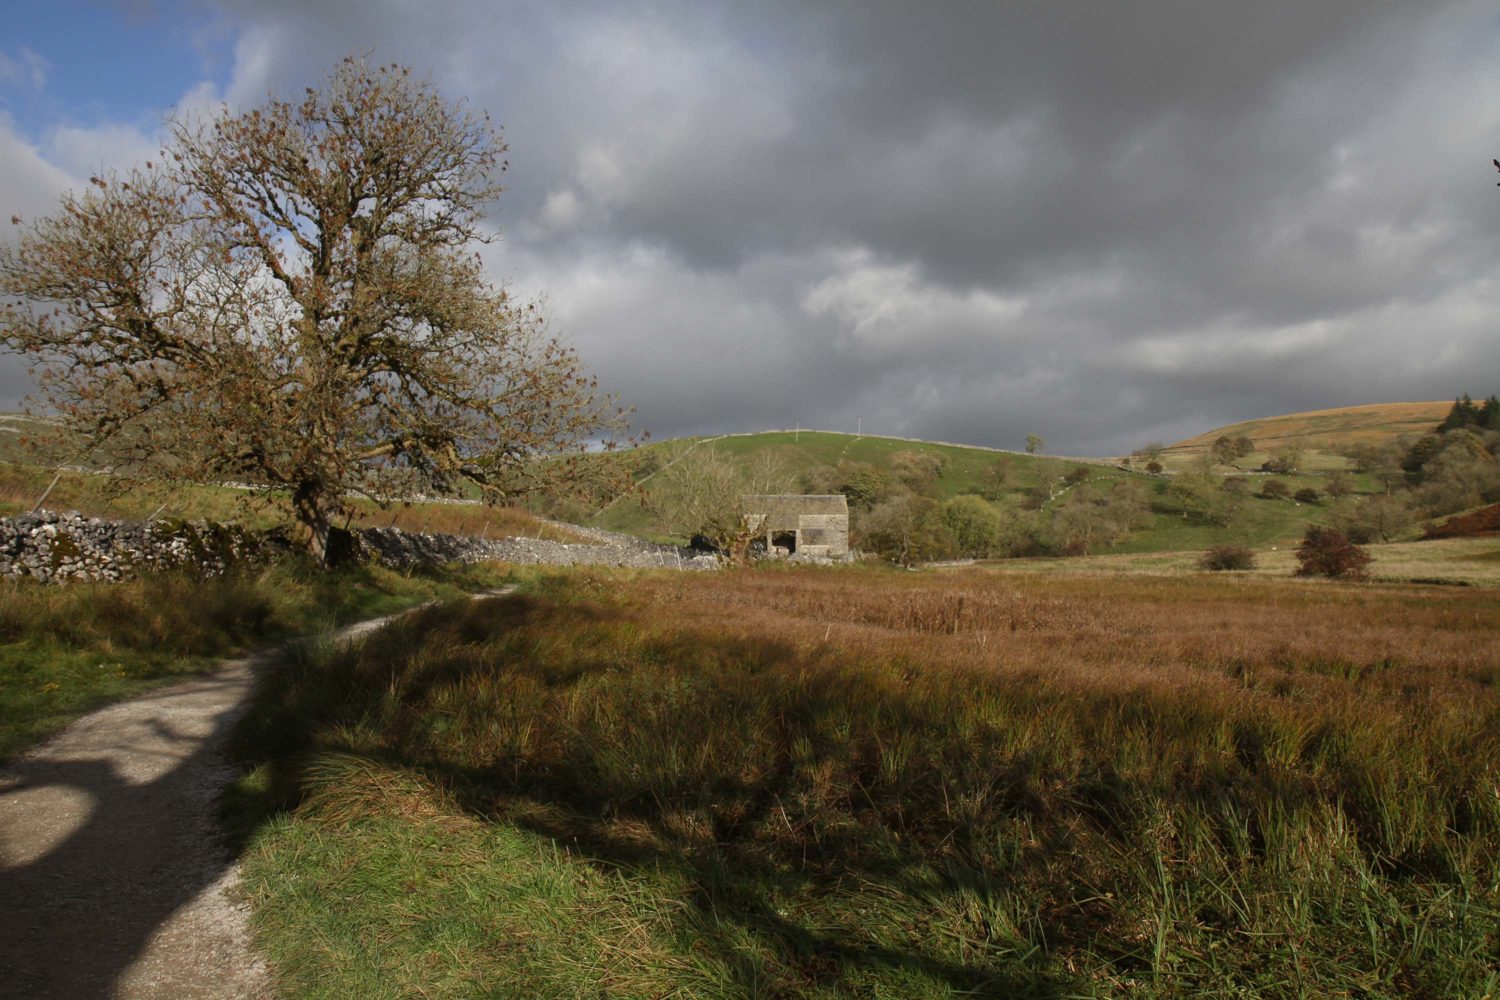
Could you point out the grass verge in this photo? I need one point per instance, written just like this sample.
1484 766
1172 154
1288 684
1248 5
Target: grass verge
66 650
826 783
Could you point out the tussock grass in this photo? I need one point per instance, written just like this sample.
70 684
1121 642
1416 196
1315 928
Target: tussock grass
850 783
65 650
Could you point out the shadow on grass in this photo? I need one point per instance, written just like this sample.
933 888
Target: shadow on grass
574 791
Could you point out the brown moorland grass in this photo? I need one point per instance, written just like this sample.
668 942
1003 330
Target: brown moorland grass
1373 422
842 782
1470 562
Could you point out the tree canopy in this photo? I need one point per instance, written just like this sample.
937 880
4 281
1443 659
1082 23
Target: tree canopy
293 296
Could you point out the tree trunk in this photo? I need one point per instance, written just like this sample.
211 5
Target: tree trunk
312 512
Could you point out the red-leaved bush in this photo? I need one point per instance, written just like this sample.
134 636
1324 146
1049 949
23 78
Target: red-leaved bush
1327 552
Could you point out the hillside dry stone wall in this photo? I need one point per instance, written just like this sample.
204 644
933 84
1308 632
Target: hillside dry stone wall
57 547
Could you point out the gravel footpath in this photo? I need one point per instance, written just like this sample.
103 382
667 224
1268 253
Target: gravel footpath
115 880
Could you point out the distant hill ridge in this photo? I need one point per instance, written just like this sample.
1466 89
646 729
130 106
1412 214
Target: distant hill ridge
1327 429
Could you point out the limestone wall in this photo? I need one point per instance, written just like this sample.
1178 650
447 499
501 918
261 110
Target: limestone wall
57 547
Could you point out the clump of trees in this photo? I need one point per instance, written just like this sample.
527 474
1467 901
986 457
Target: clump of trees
1467 415
1275 489
1378 518
292 296
1095 515
1285 460
1451 468
1226 449
1200 493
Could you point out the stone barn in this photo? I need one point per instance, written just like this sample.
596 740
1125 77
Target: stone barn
799 525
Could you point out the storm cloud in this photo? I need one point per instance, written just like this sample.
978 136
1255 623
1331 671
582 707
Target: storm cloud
1101 223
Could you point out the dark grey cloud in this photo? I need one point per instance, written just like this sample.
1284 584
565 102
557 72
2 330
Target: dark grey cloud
1101 223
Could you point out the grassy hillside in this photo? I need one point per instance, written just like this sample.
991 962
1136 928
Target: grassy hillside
794 456
1260 523
798 453
1323 432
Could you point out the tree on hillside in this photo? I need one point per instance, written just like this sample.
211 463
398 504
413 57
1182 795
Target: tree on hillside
1226 449
700 494
1034 444
292 296
1285 460
1374 518
1466 414
998 479
1151 452
1463 414
973 523
1382 460
1093 515
1199 492
1340 484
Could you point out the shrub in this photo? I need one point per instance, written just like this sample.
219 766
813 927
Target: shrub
1373 518
974 524
1153 467
1284 460
1340 484
1327 552
1275 489
1307 495
1078 474
1225 557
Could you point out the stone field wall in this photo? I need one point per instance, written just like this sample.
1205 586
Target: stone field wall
57 547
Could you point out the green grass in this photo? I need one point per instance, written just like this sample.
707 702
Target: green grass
854 783
66 650
1258 522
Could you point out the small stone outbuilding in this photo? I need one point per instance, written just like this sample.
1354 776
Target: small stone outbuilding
803 526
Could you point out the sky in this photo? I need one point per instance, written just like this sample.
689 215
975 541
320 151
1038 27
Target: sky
1106 224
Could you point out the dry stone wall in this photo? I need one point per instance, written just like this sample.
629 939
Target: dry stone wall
57 547
402 548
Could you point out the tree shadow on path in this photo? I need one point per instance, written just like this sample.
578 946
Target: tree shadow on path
105 833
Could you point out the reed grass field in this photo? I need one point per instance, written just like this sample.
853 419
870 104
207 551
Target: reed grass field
845 782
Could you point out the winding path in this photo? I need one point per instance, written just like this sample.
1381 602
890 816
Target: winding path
115 880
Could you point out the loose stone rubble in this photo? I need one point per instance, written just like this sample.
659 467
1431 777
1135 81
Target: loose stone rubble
55 547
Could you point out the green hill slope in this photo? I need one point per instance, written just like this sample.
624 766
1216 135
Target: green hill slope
1258 522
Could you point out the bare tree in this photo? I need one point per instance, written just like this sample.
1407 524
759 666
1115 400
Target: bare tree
700 494
293 296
